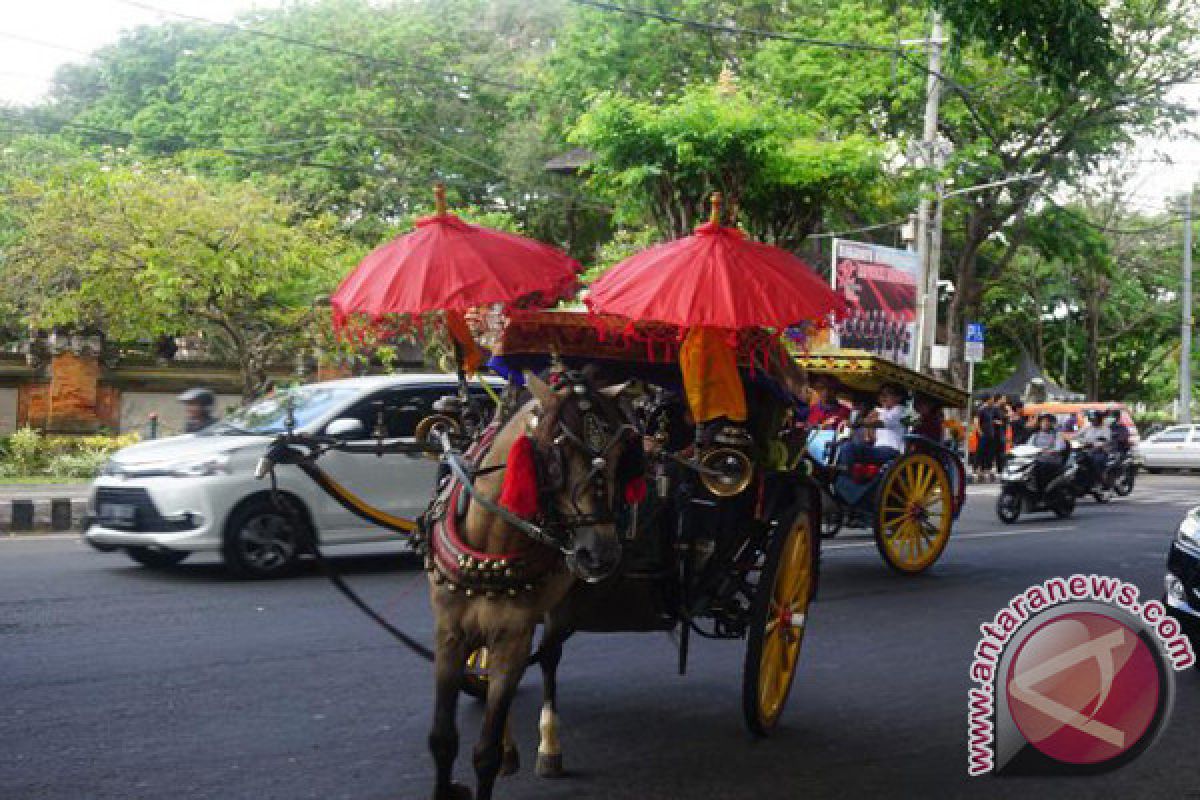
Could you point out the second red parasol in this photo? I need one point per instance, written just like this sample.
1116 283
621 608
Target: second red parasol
715 278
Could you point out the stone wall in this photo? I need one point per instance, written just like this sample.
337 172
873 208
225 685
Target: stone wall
8 408
73 391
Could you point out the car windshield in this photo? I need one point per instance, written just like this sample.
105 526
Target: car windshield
269 415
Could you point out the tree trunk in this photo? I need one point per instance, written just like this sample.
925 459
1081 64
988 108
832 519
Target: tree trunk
1093 345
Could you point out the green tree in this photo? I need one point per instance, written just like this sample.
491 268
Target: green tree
139 252
661 162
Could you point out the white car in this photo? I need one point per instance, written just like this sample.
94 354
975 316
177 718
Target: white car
164 499
1177 447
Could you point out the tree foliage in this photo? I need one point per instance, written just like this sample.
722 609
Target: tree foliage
137 253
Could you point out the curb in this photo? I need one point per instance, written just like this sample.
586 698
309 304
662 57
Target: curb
43 514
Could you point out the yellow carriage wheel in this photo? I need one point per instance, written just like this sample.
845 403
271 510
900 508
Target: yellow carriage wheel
475 675
915 513
779 618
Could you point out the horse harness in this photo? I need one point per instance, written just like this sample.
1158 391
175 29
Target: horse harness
457 566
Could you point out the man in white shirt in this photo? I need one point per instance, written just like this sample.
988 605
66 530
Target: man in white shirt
889 422
886 423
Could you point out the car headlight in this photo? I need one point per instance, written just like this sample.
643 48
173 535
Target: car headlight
211 465
1189 529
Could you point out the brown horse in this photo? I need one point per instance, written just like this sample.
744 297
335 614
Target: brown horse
494 578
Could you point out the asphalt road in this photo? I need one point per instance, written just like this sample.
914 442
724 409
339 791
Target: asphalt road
120 683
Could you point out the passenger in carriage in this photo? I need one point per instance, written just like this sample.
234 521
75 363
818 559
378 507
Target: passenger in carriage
827 412
930 419
887 425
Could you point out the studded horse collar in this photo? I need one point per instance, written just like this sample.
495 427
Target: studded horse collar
458 566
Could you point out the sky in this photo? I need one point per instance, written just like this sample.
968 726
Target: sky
76 27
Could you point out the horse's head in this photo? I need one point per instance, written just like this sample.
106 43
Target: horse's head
591 460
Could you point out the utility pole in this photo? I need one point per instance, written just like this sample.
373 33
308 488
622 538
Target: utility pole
1185 355
933 96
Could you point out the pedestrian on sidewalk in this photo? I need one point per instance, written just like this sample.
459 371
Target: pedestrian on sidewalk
985 456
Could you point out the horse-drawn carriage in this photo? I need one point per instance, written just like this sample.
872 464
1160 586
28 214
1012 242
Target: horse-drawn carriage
643 470
724 544
910 502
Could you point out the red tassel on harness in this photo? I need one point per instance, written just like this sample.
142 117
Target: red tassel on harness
520 491
635 491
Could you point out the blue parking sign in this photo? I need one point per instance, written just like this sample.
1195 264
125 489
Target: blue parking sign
975 332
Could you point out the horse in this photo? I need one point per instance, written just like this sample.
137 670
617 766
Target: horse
504 556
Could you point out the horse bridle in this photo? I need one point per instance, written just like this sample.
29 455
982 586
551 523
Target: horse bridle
603 432
554 529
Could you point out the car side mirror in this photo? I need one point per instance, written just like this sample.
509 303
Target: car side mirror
346 428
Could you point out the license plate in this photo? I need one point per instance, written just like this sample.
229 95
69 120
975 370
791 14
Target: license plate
120 515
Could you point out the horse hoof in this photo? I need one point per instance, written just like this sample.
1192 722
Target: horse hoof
511 762
456 791
549 766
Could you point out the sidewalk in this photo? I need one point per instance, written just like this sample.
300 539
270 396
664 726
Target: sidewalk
20 491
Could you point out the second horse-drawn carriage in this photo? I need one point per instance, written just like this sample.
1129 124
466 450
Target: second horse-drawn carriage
908 502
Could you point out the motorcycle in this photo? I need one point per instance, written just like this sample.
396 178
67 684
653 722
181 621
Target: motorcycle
1094 476
1120 471
1020 491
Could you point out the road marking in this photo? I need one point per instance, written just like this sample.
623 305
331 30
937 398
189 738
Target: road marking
958 537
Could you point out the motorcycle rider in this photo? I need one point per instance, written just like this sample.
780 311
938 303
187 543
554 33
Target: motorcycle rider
198 409
1121 437
1094 438
1053 447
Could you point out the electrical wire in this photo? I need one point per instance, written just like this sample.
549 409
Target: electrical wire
836 234
735 30
460 80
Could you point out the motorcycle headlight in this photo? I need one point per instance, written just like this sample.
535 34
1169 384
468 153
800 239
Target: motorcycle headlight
211 465
1189 529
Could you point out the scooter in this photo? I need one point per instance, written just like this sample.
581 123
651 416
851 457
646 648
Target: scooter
1092 478
1020 493
1120 472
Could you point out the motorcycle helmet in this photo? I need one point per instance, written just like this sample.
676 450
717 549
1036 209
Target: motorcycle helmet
198 396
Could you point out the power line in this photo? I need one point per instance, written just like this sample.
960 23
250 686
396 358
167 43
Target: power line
735 30
459 79
19 37
835 234
372 170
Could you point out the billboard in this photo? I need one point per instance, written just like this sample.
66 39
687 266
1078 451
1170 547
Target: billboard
879 285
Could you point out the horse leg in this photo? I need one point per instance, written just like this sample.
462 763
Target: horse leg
549 754
511 760
449 663
506 664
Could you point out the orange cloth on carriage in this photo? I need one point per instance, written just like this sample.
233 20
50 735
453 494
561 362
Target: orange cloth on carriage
710 376
473 356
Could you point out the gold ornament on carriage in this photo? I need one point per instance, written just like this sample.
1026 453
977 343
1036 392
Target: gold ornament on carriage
431 428
725 466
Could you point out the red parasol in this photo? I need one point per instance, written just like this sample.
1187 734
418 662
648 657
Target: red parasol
715 278
449 265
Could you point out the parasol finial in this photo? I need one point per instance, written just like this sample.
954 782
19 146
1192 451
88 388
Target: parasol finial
715 202
439 199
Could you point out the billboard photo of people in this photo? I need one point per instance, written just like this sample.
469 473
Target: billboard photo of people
879 285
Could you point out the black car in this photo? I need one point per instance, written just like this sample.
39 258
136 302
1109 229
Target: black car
1183 577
